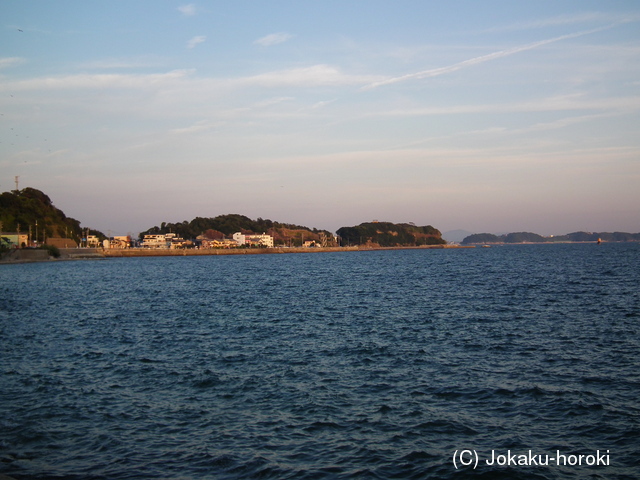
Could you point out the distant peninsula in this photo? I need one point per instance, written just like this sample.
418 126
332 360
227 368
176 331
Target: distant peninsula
528 237
30 216
370 234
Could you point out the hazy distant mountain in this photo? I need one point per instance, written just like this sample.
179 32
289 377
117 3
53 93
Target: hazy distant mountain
528 237
456 236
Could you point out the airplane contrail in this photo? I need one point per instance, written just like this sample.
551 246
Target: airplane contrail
434 72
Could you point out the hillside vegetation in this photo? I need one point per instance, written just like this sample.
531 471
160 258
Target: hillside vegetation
226 225
23 209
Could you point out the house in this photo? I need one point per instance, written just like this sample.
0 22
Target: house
263 240
154 241
168 240
123 241
174 241
93 241
218 243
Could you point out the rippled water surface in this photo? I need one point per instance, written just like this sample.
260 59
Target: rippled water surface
330 365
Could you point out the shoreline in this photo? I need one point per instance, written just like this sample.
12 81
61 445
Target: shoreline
20 256
140 252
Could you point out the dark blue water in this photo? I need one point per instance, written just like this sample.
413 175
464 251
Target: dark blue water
331 365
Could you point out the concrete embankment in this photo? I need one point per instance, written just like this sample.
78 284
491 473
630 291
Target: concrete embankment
151 252
37 255
142 252
24 255
81 253
28 255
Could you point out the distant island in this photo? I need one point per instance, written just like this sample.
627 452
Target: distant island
528 237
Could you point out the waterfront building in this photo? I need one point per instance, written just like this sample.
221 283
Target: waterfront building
218 243
93 241
263 240
123 241
168 240
154 241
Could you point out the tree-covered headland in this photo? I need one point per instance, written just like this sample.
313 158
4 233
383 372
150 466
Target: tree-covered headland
386 234
30 210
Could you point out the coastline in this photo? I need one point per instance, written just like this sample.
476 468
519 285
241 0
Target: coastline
140 252
32 255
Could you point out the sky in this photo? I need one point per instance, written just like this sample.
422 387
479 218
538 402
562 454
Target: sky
493 116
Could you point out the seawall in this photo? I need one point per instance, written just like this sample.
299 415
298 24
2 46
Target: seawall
36 255
143 252
24 255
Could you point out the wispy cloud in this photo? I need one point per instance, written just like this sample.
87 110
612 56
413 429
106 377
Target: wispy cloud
315 75
123 63
435 72
306 76
196 40
187 10
11 61
101 81
198 127
559 20
574 102
273 39
323 103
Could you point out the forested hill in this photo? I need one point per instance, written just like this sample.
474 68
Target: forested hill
528 237
386 234
227 225
23 209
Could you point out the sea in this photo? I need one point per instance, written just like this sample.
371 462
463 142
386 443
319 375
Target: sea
509 362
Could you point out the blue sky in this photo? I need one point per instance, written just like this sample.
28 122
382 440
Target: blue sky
495 116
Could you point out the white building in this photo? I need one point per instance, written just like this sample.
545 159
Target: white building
263 240
159 240
93 241
155 241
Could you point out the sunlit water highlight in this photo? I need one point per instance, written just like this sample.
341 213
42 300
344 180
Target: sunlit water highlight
332 365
